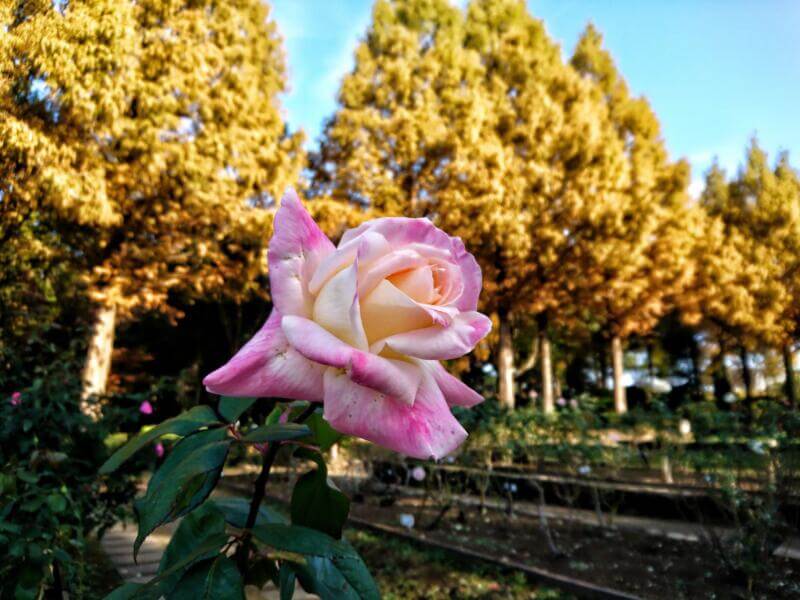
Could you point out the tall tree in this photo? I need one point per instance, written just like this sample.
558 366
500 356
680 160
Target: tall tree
538 164
765 206
640 258
734 292
149 133
388 142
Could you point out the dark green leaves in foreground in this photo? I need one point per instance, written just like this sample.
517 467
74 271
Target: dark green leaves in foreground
232 408
184 424
277 432
183 482
332 570
315 502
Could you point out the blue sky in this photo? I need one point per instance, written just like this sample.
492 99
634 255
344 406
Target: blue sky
716 71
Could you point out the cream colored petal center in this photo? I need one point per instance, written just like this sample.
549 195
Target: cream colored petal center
388 310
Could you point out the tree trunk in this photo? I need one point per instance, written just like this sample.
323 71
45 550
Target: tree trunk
789 384
651 370
505 362
620 399
697 385
548 403
722 382
98 356
747 376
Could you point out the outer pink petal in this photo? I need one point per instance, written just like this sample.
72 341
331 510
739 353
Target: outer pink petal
454 390
297 248
267 366
395 378
441 343
403 232
427 429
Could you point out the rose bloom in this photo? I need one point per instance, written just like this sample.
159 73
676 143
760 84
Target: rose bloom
362 328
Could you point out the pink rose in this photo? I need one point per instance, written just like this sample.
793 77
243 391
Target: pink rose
146 408
16 399
362 328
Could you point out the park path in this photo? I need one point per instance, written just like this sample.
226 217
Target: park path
117 543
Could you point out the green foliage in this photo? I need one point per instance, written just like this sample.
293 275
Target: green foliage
315 503
183 424
183 482
50 497
308 550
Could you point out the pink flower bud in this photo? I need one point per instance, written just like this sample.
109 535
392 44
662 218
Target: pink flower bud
159 449
146 408
418 473
16 399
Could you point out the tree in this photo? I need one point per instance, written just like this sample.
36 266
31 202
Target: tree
640 257
388 142
734 292
765 206
478 123
538 164
148 134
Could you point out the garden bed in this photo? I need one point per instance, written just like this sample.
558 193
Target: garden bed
635 562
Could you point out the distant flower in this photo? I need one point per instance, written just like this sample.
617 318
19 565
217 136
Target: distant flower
573 404
730 397
533 394
407 520
584 469
685 427
159 449
561 402
418 473
146 408
16 399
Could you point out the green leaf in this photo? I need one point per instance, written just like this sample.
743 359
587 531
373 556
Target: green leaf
286 579
183 424
57 503
236 510
183 482
323 435
27 476
205 522
127 591
216 579
277 433
315 503
261 571
232 408
334 569
152 589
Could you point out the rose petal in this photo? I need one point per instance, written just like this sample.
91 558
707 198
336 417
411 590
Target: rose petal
296 250
454 390
416 234
267 366
387 265
427 429
441 343
417 283
367 248
392 377
386 311
337 308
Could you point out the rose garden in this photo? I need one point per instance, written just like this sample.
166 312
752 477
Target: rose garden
486 337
